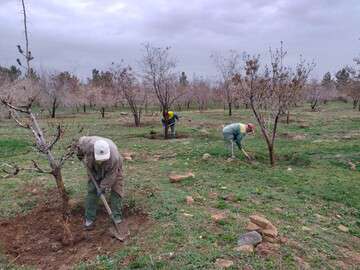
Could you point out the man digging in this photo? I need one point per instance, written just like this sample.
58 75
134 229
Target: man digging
104 166
171 122
235 133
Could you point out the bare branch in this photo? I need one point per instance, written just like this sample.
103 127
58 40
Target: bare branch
56 139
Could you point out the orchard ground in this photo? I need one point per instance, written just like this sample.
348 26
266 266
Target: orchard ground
310 192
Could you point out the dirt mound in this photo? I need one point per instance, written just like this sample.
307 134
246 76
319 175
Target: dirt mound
35 238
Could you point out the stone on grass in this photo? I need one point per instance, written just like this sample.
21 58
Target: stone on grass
204 132
222 263
352 166
188 215
306 229
270 232
343 228
245 249
219 217
260 221
250 238
252 227
206 156
269 239
231 197
128 156
179 177
267 249
189 200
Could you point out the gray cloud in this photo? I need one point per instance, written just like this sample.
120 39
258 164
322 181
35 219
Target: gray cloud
83 34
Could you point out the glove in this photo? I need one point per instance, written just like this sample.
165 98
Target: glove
104 190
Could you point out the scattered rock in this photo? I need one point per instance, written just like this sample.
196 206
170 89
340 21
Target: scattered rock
188 215
303 265
124 113
343 228
306 229
245 249
252 227
189 200
289 169
177 177
278 210
352 166
260 221
222 263
231 197
213 195
219 217
270 232
267 249
128 156
206 156
250 238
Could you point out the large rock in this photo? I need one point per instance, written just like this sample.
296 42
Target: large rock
250 238
219 217
245 249
267 249
260 221
252 227
179 177
222 263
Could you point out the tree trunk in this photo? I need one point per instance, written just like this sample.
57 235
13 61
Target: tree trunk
137 119
355 102
102 110
288 117
53 109
84 108
230 109
271 154
166 131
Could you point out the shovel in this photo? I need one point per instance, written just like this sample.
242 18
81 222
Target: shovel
115 230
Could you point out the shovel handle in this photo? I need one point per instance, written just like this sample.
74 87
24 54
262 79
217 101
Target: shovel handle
102 197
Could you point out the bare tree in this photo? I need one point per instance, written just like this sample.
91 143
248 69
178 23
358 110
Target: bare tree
201 92
45 147
27 54
227 68
315 94
158 68
134 93
270 93
58 89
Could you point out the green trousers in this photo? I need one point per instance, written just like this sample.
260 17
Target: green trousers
91 203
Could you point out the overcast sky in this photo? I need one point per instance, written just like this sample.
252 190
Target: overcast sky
78 35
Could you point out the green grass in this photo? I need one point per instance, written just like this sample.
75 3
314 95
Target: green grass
320 182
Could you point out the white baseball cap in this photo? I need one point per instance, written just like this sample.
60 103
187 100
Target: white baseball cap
101 150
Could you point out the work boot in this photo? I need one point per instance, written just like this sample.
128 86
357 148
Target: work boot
89 225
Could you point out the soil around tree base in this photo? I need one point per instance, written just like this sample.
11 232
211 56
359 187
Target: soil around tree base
36 238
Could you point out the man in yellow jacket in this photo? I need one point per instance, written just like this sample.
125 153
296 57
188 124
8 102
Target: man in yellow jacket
171 122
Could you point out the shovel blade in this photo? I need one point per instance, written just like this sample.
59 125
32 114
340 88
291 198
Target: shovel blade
120 232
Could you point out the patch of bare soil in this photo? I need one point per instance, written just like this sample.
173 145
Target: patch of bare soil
36 238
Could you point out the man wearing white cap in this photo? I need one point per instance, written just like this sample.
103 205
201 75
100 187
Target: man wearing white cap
104 163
